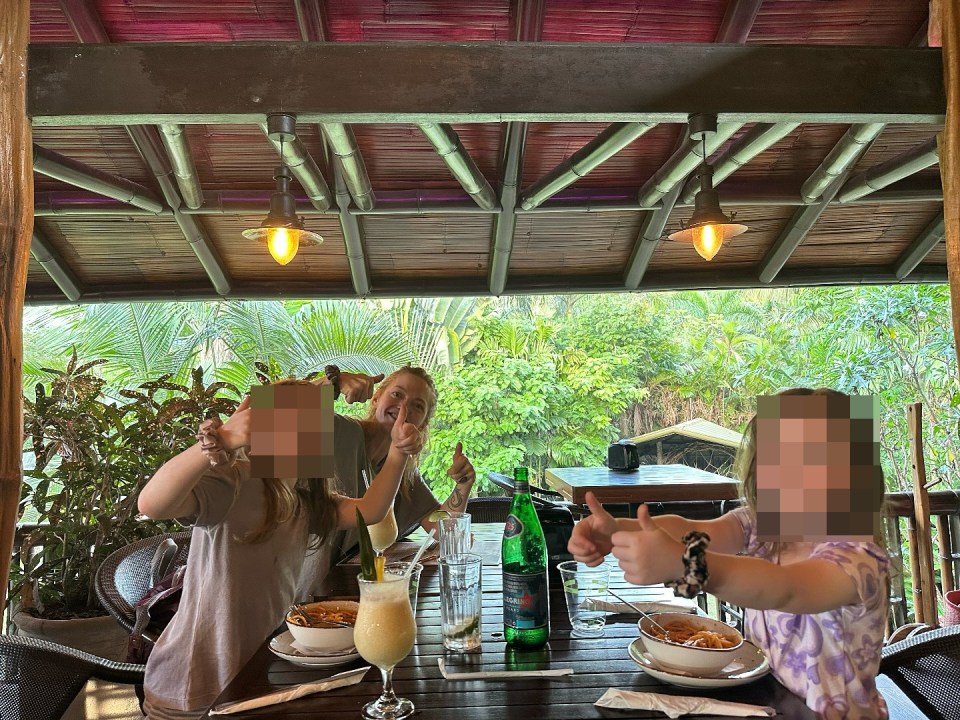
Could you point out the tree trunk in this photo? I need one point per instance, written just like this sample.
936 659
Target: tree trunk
16 229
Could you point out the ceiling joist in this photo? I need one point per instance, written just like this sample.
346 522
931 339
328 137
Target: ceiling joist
927 240
886 173
448 146
55 265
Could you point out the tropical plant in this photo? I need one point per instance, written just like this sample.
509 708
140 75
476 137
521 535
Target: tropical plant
90 457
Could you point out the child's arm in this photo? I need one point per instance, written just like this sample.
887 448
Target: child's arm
376 501
649 555
590 541
168 493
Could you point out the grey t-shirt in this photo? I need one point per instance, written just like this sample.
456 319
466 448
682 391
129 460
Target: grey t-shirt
235 594
350 457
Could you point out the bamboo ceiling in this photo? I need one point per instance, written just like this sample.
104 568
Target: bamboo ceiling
798 86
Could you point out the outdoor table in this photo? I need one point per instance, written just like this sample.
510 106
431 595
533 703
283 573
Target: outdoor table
648 483
598 664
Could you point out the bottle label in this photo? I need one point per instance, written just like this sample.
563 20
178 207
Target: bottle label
525 602
521 487
513 526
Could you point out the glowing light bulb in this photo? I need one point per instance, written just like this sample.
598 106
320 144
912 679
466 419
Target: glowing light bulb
283 244
708 239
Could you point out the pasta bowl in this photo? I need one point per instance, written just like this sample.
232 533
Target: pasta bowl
699 645
318 625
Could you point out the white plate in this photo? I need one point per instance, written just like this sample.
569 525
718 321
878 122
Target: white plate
284 646
748 664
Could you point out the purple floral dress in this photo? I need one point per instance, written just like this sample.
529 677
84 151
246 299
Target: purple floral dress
829 659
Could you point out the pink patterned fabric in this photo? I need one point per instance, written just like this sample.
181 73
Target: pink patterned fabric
212 446
829 659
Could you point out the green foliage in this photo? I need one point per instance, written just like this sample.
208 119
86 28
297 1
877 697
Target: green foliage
88 458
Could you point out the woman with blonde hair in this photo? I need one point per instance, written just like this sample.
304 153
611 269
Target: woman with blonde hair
249 539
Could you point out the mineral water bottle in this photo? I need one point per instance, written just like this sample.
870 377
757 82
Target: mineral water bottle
526 600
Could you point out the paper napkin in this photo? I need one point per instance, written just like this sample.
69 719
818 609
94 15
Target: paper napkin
350 677
676 705
676 605
501 674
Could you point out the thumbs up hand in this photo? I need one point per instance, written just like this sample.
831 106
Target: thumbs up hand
646 553
590 541
406 436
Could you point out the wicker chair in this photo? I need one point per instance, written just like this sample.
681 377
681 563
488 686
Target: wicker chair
925 668
39 679
127 574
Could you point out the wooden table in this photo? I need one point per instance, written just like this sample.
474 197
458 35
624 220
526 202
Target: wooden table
598 663
648 483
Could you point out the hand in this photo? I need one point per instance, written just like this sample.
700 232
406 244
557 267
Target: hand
357 387
461 469
235 432
590 542
405 436
647 555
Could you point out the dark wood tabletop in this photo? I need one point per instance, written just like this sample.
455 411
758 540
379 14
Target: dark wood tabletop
648 483
598 664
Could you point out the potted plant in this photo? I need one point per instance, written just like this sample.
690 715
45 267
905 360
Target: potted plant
90 456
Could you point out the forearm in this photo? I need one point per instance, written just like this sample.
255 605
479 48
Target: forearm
168 494
378 498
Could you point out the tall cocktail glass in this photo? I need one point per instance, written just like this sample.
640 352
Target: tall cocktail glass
382 535
384 635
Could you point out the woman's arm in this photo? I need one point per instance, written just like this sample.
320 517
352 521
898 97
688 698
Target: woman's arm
168 494
649 555
464 476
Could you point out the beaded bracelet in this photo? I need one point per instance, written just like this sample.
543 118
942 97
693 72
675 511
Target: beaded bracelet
211 444
695 574
333 377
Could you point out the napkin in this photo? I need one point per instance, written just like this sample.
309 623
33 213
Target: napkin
676 605
501 674
676 705
350 677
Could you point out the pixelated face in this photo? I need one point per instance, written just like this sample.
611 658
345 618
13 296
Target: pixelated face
405 389
818 468
291 431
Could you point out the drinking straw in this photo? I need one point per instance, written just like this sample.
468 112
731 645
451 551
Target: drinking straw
416 558
366 479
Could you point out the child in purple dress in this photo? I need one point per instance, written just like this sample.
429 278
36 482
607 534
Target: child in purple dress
805 555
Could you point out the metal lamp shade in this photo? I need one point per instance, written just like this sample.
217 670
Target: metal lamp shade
282 230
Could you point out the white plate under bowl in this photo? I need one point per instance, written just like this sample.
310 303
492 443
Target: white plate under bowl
748 664
283 647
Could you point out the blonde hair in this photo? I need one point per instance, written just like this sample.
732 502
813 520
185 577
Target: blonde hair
283 502
746 464
411 470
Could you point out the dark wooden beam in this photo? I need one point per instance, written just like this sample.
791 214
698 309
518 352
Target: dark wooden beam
927 240
480 82
56 267
312 19
738 21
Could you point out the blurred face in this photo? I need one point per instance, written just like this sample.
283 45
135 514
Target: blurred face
818 474
291 431
408 390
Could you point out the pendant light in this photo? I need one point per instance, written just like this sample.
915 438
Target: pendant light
282 230
708 227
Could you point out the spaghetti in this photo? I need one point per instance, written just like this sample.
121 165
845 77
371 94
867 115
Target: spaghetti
683 633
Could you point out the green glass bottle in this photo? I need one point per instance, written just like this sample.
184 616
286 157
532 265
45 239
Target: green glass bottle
526 598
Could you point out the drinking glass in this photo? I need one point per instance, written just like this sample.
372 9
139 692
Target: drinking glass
384 634
454 534
460 601
399 568
382 535
584 587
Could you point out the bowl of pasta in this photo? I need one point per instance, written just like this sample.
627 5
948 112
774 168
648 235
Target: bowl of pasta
325 626
691 643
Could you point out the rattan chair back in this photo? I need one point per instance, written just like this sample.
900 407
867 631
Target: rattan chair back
925 667
39 679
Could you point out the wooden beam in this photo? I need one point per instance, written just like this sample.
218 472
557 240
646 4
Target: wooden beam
57 268
218 83
471 286
924 583
447 144
16 226
352 235
505 223
927 240
648 239
738 21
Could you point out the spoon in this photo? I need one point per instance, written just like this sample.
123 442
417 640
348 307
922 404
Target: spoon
641 612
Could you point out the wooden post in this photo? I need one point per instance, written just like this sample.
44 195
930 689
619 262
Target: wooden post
16 229
924 583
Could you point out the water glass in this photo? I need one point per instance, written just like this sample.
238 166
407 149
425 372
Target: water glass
455 536
583 587
399 568
460 601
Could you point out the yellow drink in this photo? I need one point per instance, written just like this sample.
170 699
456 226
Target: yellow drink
384 533
385 629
